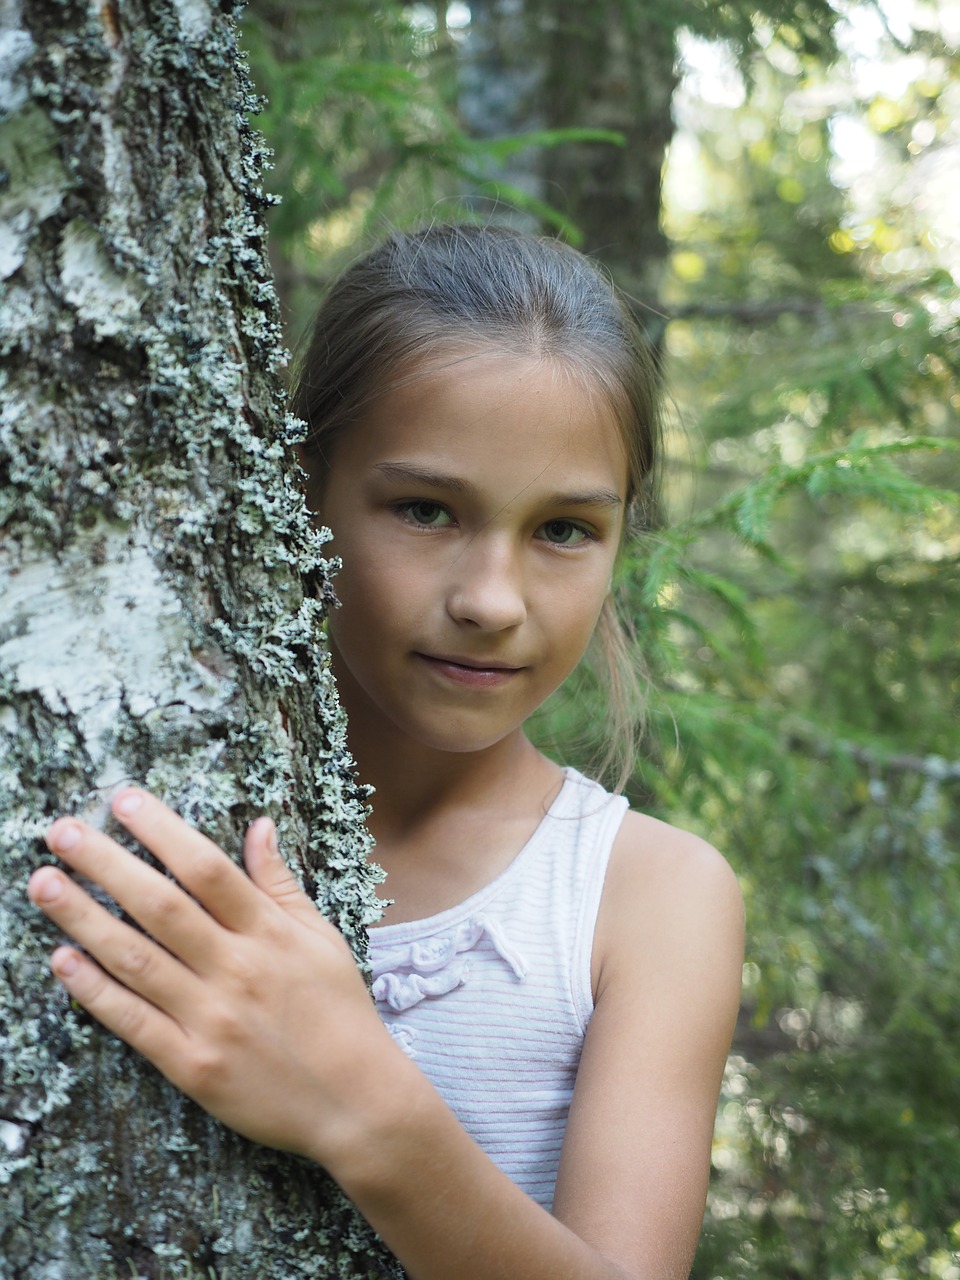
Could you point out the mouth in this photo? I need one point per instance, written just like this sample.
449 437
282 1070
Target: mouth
476 672
474 664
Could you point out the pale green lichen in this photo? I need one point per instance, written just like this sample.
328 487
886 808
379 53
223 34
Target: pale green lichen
35 186
165 416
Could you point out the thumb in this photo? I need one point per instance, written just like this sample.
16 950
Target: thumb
270 873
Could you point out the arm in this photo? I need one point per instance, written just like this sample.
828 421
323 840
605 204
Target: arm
253 1006
667 974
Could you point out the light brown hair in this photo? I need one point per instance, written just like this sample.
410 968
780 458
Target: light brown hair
422 294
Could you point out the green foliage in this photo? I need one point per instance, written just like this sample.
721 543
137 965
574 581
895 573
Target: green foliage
804 607
804 26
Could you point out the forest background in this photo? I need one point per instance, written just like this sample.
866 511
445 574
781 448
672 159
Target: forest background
797 273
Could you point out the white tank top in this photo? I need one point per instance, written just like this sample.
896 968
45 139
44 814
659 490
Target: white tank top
492 997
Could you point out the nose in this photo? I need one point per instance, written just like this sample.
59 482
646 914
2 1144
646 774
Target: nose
486 586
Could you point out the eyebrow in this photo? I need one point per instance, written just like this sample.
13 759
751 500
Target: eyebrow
405 473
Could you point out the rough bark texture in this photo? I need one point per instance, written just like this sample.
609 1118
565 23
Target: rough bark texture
162 590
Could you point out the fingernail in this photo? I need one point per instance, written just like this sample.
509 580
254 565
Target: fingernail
64 835
127 802
65 963
272 839
47 887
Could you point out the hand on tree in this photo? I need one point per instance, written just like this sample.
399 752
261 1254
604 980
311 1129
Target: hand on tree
242 994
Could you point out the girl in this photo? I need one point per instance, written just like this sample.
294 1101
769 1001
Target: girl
532 1094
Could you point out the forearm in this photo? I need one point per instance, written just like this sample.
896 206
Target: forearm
445 1210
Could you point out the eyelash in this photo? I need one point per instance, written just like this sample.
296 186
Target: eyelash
406 511
586 534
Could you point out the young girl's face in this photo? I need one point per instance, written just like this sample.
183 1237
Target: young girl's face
477 510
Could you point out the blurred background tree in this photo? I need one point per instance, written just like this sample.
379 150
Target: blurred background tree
796 269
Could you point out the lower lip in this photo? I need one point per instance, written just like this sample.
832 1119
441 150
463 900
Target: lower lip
471 677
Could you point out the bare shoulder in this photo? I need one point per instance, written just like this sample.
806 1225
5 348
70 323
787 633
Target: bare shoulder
649 851
669 897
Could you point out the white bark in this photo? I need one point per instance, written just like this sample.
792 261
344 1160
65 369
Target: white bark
161 597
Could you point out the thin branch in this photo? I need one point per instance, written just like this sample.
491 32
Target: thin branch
937 768
747 312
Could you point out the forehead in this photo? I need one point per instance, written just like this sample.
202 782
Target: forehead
536 418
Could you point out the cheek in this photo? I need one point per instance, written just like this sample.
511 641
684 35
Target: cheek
588 602
576 616
358 562
376 593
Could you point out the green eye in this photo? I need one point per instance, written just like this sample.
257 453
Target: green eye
563 533
428 515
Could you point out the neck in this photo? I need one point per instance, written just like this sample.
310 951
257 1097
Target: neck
414 784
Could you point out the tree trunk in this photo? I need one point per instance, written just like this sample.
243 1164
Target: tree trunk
162 590
612 66
561 64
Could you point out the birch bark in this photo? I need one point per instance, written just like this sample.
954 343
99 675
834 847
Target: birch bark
161 594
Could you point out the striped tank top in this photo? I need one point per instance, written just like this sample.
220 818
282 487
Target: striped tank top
492 998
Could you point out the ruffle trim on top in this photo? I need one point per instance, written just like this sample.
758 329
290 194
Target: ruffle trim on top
405 974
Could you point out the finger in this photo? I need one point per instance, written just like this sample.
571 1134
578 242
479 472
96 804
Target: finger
204 870
269 872
145 1028
144 968
148 896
